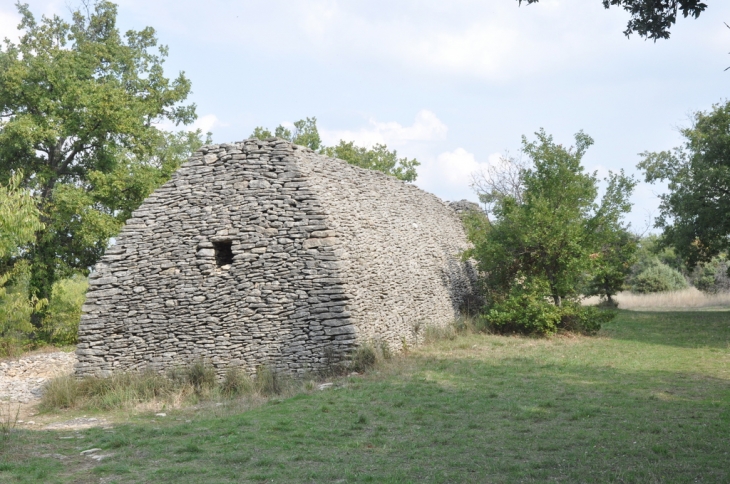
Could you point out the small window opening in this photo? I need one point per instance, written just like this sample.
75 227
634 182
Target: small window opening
223 253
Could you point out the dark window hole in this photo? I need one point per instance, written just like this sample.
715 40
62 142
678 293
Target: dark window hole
223 253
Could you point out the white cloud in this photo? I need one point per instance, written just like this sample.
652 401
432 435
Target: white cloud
207 123
426 127
449 175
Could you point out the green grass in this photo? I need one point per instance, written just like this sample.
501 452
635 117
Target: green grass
648 400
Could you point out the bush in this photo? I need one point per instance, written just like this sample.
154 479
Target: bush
527 310
583 319
61 324
658 277
524 310
711 276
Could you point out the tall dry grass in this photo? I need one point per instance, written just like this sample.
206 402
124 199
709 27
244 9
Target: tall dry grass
686 299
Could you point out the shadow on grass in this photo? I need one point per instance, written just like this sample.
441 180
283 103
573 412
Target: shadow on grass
516 419
686 329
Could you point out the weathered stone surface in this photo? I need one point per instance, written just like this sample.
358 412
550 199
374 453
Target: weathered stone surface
265 252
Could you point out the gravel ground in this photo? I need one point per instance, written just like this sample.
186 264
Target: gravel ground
22 379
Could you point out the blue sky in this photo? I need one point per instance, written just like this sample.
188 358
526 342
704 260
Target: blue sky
455 84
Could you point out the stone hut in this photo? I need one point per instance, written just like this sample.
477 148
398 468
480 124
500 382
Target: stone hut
264 252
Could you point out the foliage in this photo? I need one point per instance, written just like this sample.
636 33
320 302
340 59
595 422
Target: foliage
655 276
378 158
19 222
613 264
584 319
693 214
16 309
61 323
712 276
62 311
19 219
652 19
549 236
78 103
650 248
260 132
305 133
525 310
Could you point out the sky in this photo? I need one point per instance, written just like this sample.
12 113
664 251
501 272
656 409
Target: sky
454 84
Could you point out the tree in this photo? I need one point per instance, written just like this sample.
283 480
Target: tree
652 19
613 263
19 221
379 157
694 212
78 108
305 133
550 235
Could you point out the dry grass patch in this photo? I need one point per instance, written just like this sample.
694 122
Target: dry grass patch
689 299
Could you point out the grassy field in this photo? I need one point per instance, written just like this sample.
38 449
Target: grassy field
648 400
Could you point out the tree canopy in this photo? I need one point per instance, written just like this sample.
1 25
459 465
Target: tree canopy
652 19
79 105
694 212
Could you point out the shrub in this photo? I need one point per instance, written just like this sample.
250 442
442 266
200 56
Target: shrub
583 319
61 323
524 310
658 277
527 310
711 276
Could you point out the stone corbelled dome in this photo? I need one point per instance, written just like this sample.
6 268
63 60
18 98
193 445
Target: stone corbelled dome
264 252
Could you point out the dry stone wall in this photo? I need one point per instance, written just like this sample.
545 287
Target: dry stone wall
263 252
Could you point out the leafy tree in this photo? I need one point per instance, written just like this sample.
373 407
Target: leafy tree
613 263
541 242
78 107
261 133
656 276
19 219
652 19
712 276
553 233
379 158
694 212
305 133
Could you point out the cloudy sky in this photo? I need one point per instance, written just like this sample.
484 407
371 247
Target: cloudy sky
454 84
